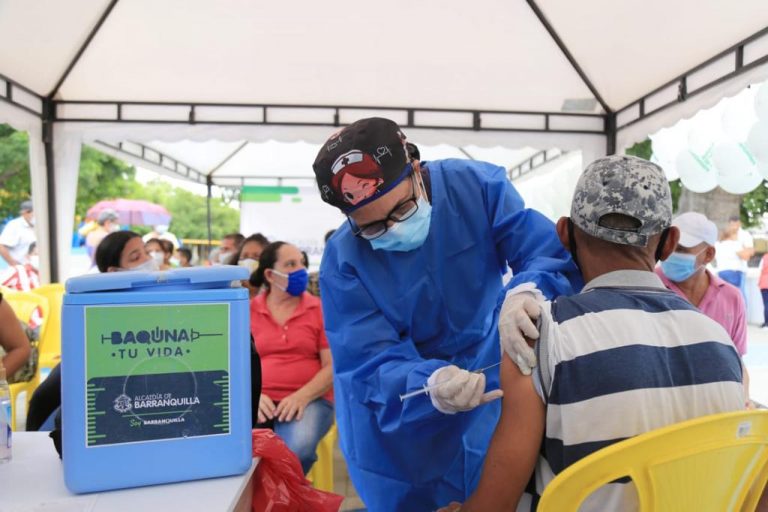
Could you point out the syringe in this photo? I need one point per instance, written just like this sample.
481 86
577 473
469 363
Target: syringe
428 389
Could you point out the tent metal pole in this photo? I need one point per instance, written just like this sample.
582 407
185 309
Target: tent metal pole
50 174
209 184
71 65
610 134
568 55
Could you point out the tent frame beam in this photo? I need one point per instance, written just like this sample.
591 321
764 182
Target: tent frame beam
536 160
682 81
83 48
568 55
547 121
7 95
190 173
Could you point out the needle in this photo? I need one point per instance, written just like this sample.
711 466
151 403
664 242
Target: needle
428 389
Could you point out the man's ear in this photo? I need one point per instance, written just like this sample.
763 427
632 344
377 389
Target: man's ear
709 254
670 244
562 232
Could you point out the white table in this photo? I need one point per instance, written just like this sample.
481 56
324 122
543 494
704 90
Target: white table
34 482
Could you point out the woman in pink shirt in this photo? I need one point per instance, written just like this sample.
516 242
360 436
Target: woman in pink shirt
287 327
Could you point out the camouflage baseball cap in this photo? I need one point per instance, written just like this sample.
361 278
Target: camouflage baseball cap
624 185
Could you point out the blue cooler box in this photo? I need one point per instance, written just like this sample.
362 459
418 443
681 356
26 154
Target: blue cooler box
155 377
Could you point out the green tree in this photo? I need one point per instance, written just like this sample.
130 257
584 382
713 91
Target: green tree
103 177
14 170
189 211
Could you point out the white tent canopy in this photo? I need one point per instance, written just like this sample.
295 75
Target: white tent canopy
240 163
589 75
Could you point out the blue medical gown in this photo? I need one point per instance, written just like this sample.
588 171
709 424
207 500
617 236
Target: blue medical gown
393 318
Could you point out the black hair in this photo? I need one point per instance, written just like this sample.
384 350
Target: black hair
32 247
110 249
186 252
256 237
413 151
235 237
329 234
167 245
267 260
155 241
305 259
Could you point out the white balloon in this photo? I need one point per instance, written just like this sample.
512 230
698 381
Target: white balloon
761 101
738 116
695 173
741 184
668 142
705 130
757 141
736 169
668 166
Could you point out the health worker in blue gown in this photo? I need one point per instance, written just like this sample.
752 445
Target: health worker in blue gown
410 287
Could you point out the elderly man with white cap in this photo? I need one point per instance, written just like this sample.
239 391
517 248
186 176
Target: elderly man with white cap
685 273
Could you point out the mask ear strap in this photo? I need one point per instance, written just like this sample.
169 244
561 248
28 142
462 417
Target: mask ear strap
662 242
572 244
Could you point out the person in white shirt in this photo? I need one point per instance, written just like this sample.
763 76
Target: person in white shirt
18 235
733 252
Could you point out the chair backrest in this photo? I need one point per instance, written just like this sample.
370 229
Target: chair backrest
717 462
24 305
51 343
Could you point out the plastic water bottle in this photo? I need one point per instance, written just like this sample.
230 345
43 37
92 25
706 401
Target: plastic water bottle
5 417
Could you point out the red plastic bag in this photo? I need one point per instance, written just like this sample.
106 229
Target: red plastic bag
279 483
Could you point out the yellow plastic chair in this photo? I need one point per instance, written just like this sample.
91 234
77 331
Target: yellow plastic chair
49 348
321 474
714 463
24 304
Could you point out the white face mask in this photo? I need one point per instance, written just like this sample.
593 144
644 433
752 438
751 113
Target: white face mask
224 257
159 257
249 263
148 266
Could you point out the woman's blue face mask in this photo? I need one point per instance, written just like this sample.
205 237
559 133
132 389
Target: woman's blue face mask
297 281
680 267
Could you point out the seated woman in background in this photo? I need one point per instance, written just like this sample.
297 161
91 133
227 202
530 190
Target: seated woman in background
154 247
248 256
287 327
118 251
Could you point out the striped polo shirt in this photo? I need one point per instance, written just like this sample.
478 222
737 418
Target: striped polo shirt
623 357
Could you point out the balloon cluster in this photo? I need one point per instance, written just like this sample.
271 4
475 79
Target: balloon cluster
726 145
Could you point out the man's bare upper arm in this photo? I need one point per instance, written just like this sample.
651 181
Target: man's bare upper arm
514 449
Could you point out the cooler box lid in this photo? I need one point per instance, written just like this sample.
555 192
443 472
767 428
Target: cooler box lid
159 281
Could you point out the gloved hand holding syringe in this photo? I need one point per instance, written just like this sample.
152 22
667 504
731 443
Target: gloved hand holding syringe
428 388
